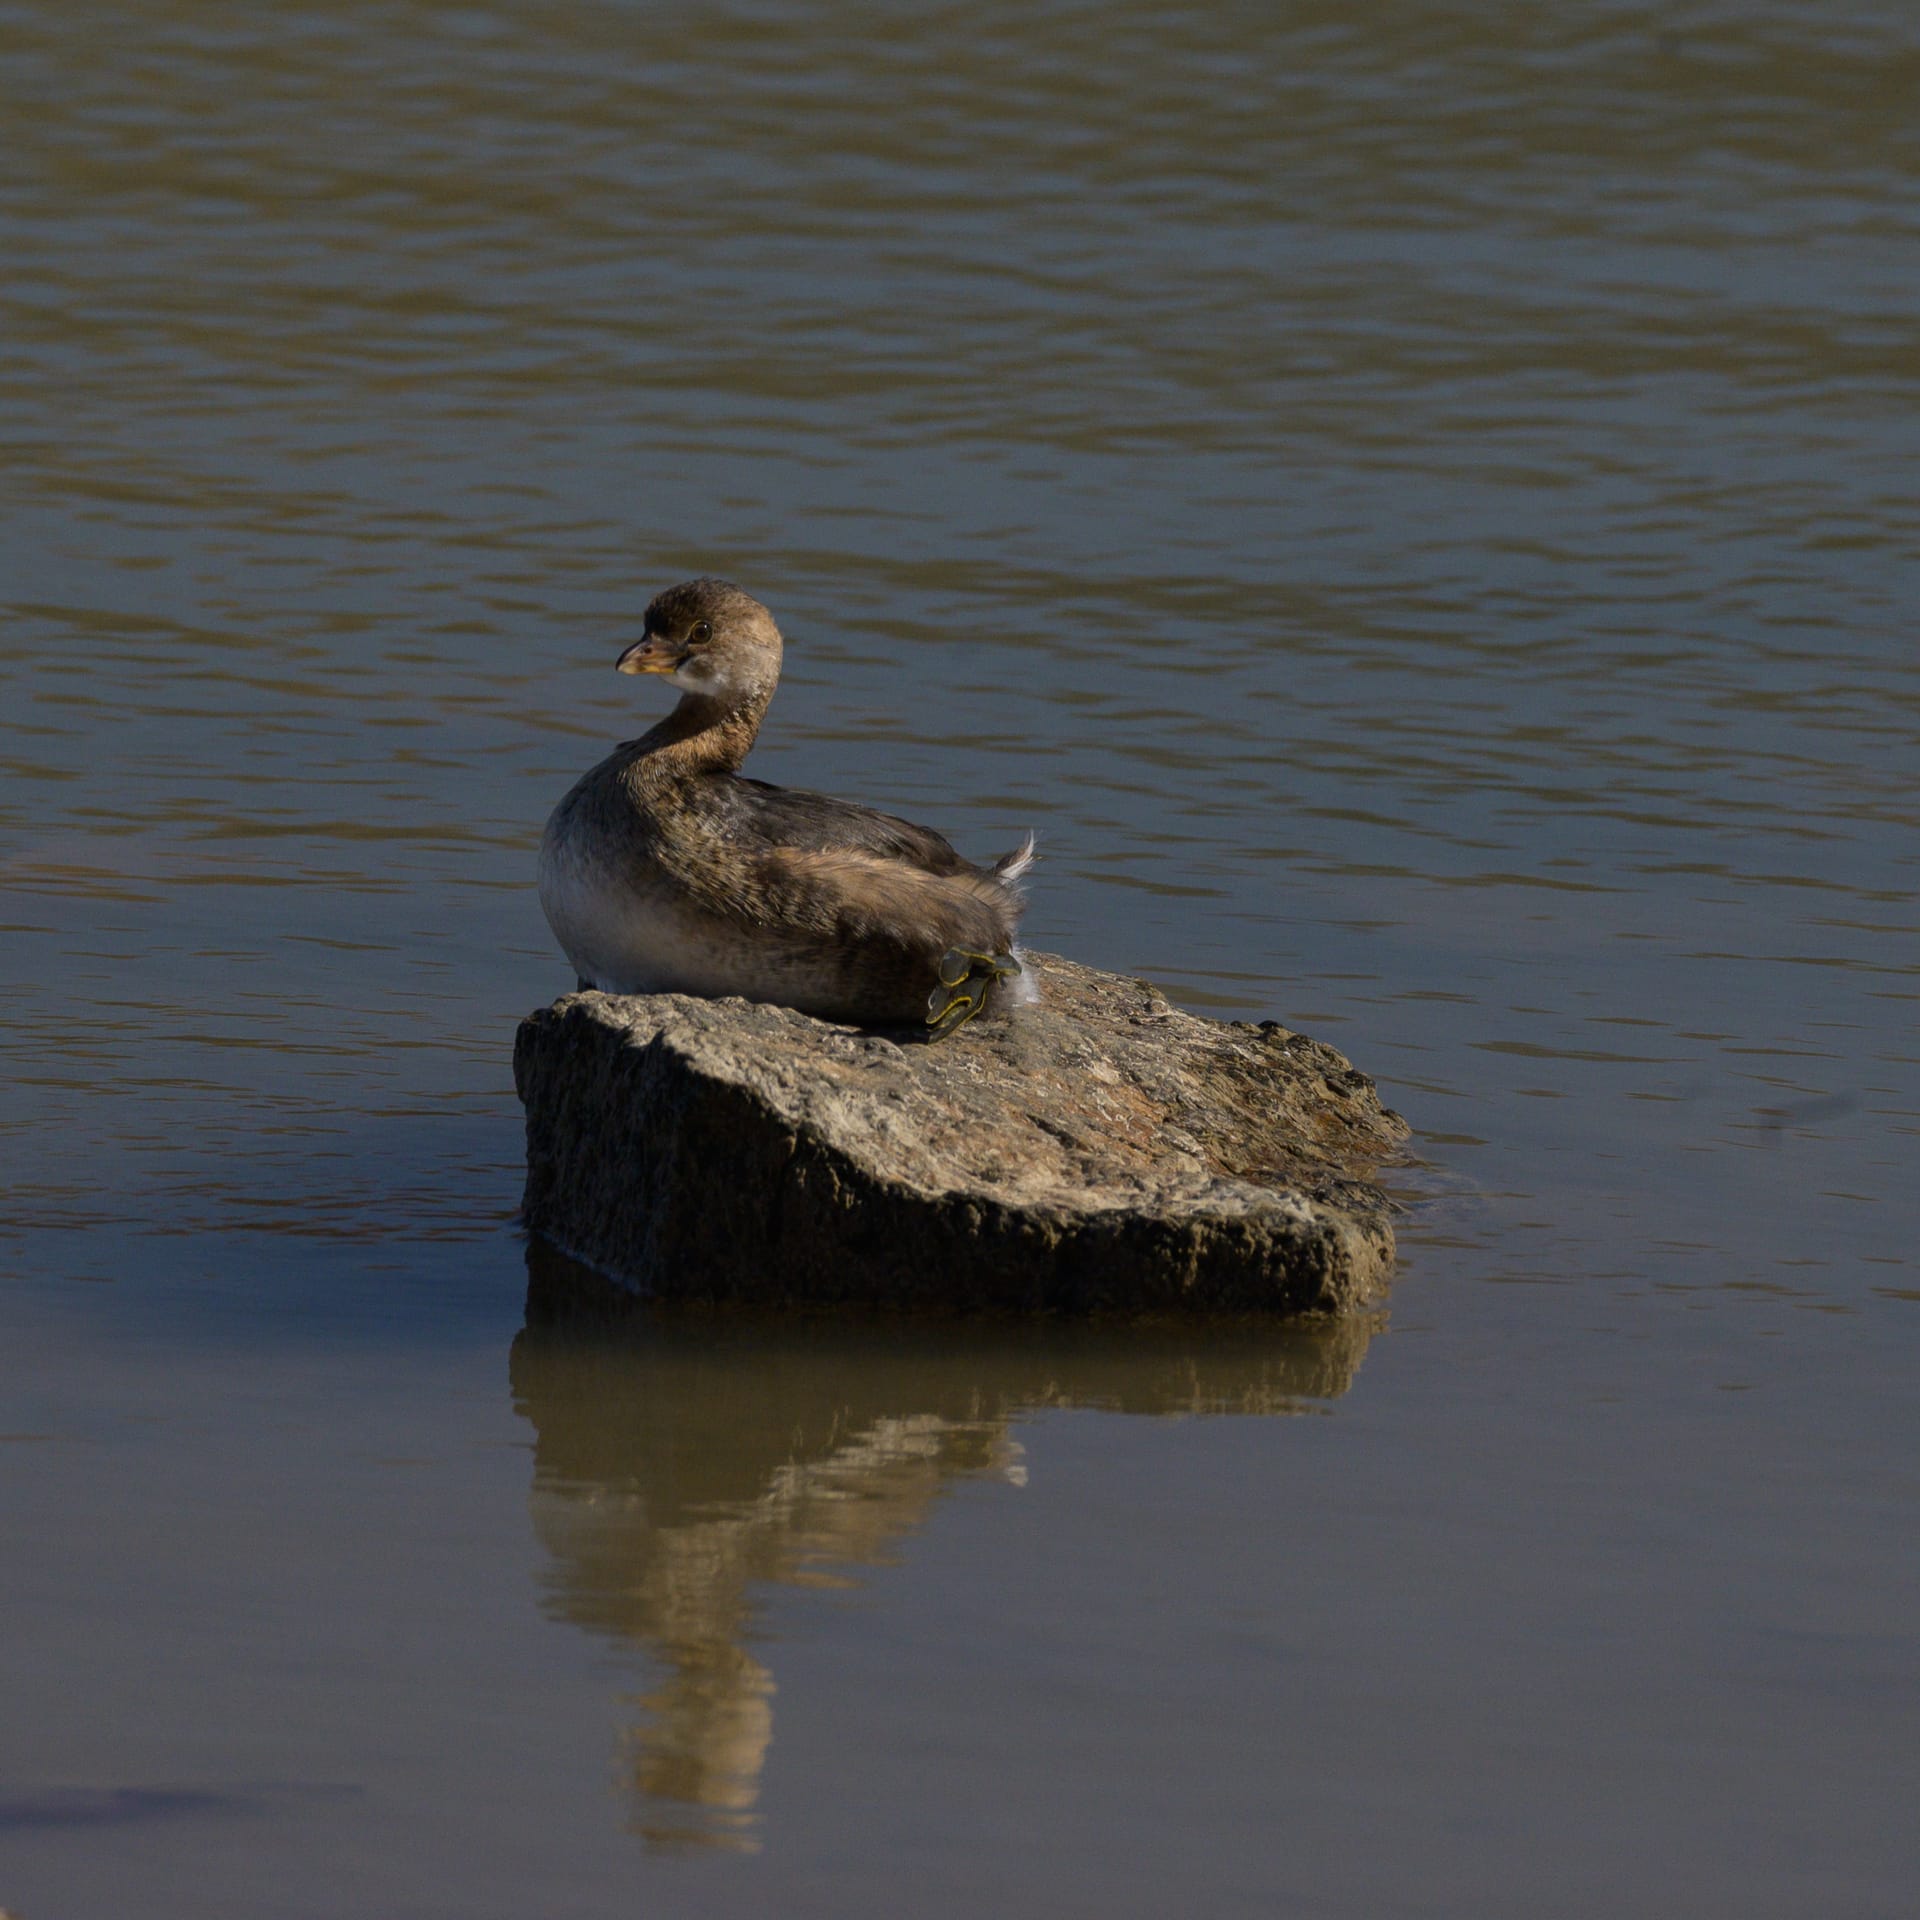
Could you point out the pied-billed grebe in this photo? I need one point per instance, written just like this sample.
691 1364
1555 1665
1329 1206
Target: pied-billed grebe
664 871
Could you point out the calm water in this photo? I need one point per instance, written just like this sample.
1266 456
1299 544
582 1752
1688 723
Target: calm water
1414 504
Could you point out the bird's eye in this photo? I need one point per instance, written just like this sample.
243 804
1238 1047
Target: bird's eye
701 630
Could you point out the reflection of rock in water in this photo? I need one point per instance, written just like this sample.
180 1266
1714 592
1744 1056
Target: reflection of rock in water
682 1460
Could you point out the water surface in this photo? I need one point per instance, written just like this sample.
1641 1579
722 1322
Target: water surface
1413 505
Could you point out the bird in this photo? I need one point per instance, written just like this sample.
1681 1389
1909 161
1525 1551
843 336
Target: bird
666 870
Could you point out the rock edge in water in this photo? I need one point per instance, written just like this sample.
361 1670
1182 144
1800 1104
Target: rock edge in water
1100 1150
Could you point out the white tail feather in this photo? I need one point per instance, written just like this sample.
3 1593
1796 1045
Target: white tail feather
1010 866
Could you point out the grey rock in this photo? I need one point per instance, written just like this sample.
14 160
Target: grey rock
1098 1150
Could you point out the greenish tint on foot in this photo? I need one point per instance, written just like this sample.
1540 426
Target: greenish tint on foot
966 979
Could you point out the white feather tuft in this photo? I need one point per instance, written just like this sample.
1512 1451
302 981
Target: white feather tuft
1023 990
1011 866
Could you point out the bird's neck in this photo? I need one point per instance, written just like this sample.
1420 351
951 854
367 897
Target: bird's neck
702 735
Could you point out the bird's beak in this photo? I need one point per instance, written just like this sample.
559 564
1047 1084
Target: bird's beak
655 654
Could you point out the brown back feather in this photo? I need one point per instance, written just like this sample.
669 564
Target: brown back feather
861 896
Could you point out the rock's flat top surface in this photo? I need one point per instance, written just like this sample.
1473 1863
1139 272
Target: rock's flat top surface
1099 1149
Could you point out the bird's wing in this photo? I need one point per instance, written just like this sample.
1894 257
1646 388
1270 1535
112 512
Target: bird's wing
769 816
868 896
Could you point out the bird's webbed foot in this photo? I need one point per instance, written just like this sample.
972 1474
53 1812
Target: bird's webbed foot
966 981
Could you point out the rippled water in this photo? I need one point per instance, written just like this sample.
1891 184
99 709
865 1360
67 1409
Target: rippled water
1413 504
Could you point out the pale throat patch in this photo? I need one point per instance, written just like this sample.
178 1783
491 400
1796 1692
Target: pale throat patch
701 676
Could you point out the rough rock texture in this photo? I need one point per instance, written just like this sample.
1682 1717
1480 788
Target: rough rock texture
1099 1150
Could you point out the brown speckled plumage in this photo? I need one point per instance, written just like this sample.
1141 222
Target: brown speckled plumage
664 870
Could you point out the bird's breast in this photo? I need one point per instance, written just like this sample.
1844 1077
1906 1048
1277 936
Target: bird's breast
630 926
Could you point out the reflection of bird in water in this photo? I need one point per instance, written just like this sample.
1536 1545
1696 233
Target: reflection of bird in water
677 1573
703 1744
685 1465
665 871
710 1722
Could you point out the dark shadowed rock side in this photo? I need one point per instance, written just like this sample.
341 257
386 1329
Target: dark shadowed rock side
1101 1150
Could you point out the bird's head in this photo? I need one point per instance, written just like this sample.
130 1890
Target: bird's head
711 640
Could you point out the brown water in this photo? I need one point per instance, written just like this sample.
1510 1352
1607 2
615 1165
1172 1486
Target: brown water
1414 504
